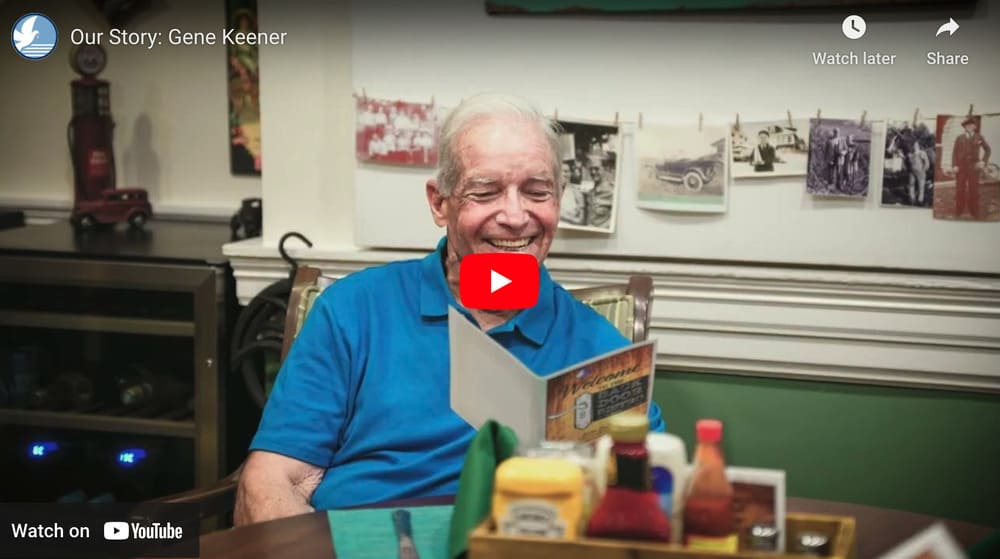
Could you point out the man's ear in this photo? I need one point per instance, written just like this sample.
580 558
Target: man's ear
438 204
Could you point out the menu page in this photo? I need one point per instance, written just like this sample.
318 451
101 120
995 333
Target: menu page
488 382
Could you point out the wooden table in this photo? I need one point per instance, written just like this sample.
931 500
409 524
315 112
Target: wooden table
308 536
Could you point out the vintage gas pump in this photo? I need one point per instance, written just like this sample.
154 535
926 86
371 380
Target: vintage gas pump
90 132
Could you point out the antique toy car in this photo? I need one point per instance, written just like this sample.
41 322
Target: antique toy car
114 206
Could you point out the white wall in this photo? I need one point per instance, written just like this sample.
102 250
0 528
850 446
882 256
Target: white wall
670 69
173 95
307 116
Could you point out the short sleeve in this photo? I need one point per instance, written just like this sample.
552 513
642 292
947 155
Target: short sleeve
310 402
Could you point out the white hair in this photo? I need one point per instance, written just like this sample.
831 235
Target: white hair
486 105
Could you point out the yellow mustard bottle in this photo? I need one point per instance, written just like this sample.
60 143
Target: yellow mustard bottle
538 497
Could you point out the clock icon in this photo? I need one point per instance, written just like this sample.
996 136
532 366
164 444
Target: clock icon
854 27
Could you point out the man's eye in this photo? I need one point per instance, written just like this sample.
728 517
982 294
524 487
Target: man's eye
481 196
539 194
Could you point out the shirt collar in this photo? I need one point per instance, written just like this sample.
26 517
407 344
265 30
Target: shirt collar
533 323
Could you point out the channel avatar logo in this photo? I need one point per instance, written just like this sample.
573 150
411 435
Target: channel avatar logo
34 36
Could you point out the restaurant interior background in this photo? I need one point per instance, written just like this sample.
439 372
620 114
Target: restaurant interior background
854 346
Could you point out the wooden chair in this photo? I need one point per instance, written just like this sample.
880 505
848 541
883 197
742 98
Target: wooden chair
627 306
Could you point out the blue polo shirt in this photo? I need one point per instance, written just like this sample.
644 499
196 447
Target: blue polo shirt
364 391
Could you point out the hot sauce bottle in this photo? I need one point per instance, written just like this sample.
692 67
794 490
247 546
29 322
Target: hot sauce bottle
709 522
630 509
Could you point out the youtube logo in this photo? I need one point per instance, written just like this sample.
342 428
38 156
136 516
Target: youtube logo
498 281
116 530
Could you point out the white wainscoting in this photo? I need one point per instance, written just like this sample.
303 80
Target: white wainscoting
891 328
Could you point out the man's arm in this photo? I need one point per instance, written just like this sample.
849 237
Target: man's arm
274 486
986 150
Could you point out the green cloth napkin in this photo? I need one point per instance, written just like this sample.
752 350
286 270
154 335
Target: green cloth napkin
493 444
369 533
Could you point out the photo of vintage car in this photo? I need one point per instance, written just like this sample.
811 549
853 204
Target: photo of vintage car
694 174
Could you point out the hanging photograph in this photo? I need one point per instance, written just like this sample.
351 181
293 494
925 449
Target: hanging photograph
244 91
590 156
839 156
967 179
397 132
682 168
769 149
908 166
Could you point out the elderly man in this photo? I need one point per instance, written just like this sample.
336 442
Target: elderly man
360 412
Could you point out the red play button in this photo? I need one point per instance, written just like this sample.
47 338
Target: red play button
498 281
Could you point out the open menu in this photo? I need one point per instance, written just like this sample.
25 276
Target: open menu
574 404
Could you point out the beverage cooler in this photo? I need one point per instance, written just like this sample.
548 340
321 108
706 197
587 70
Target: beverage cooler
110 382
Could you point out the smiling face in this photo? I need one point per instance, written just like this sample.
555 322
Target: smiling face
505 199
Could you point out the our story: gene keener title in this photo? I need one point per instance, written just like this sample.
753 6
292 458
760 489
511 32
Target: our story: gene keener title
175 36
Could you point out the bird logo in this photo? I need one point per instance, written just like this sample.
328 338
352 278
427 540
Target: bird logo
34 36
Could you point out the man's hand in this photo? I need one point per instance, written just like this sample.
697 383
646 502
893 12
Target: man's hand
274 486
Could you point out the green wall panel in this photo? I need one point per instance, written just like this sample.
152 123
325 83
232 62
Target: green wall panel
927 451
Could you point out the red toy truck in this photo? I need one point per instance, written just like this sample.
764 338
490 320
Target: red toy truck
114 206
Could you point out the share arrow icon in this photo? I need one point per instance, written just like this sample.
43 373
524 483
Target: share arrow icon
951 27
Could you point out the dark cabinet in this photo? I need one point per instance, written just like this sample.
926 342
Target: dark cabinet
111 360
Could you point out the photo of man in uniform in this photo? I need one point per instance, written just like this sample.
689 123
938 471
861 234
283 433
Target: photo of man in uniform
969 156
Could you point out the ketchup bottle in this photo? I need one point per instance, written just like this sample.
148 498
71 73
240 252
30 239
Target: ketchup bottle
630 508
709 522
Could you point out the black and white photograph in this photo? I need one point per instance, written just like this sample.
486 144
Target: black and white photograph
908 165
590 156
839 157
397 132
682 168
778 148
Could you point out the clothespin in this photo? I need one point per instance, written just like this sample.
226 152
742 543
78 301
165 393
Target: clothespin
864 113
789 113
916 115
701 120
616 118
640 121
970 109
736 127
555 115
819 114
364 95
432 100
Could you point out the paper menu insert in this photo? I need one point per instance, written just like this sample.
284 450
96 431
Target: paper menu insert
575 403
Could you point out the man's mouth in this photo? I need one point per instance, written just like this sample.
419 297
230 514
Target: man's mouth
511 244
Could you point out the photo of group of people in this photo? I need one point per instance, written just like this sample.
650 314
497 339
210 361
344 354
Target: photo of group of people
397 132
769 149
839 157
589 176
682 168
908 168
967 181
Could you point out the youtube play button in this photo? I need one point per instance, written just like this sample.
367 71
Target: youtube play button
498 281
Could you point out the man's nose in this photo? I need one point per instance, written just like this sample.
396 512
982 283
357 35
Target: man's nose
513 213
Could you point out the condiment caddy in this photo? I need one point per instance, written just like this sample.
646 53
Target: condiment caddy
485 543
540 508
